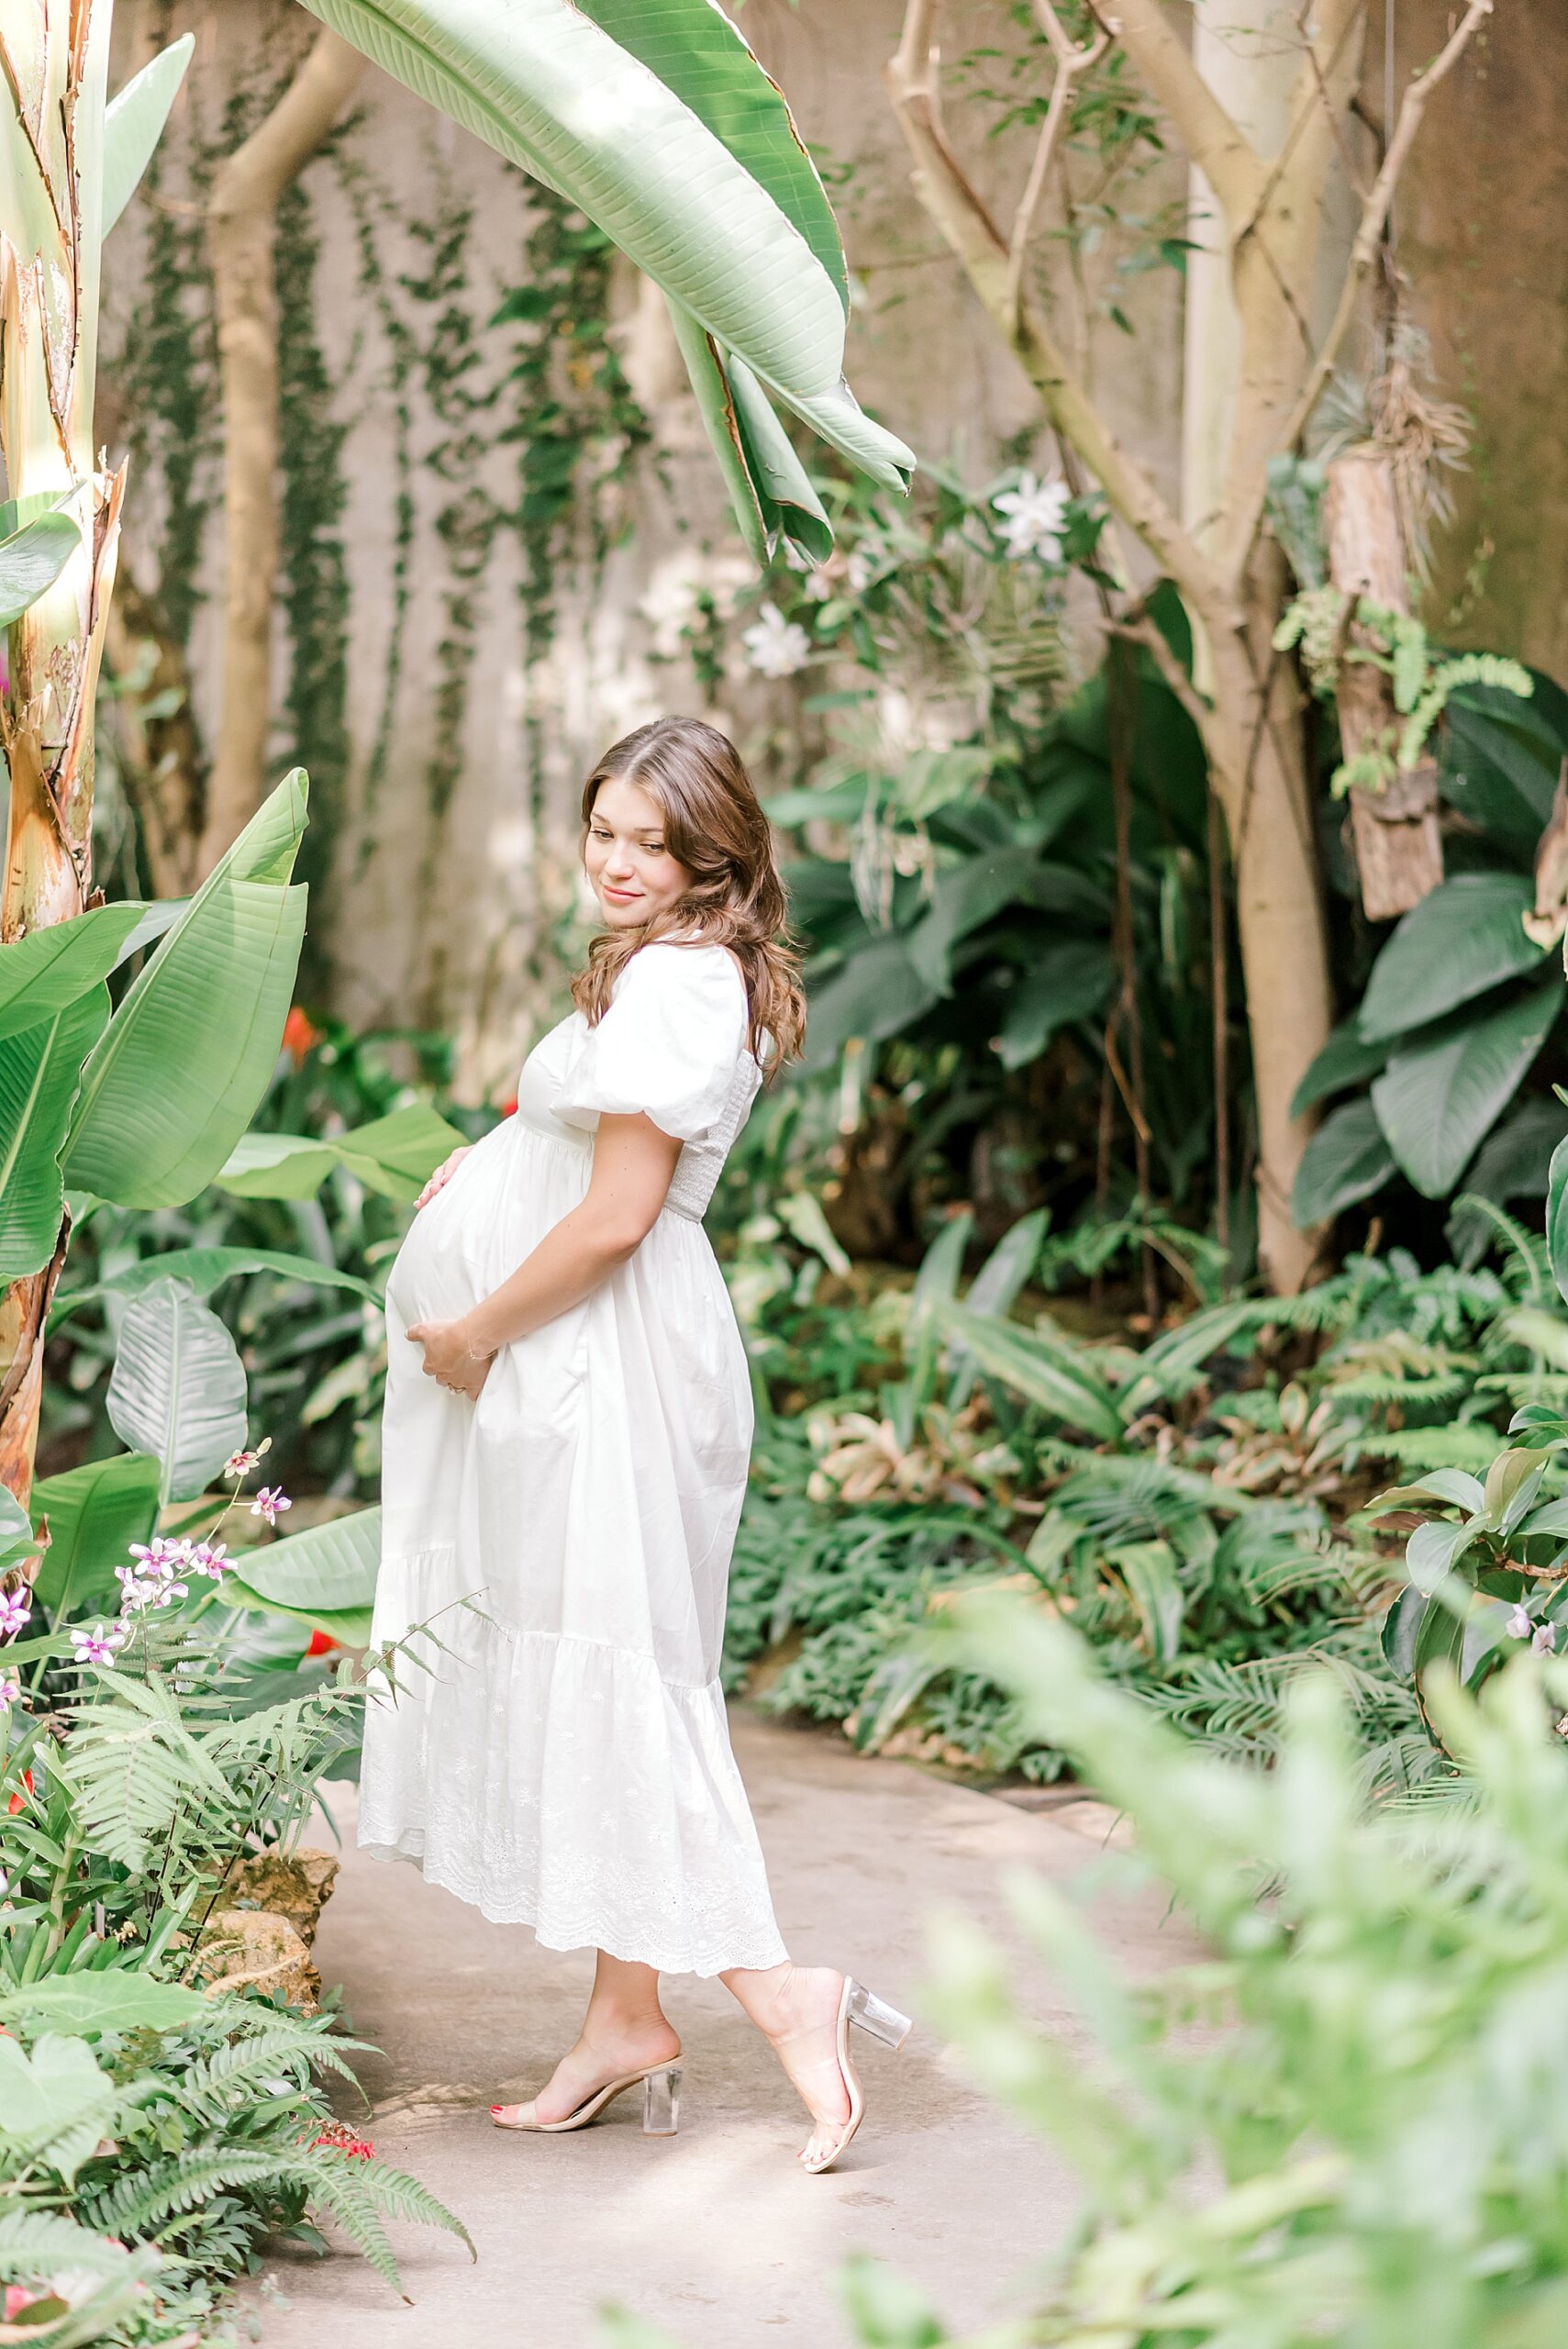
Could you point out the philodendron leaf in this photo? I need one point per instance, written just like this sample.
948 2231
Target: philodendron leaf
31 559
1437 1099
1345 1060
1347 1159
1463 938
1557 1217
178 1389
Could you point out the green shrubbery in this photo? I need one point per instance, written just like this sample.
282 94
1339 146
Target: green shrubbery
1343 2123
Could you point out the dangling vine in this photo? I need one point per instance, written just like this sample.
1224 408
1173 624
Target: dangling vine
313 567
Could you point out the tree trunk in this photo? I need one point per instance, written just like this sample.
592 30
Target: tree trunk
239 236
52 89
1398 848
1258 768
159 754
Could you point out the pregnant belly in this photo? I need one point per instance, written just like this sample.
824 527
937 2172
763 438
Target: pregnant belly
439 1273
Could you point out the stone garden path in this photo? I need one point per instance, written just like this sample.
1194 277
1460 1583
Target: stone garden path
712 2235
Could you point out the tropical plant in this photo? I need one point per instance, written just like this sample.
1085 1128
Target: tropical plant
965 791
1362 2133
158 1752
1255 382
1460 1000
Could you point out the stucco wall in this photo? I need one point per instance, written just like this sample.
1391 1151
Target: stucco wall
451 912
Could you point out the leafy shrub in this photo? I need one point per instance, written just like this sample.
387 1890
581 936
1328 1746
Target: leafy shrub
1362 2140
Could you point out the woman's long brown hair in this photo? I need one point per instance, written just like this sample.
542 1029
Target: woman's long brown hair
714 828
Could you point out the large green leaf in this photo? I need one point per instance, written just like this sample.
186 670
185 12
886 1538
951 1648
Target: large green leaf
1438 1100
1500 768
1557 1217
31 559
40 1069
49 968
110 1998
95 1513
547 87
188 1056
699 54
1347 1159
774 465
204 1269
395 1156
877 993
178 1389
1069 981
1461 940
1046 1371
133 124
45 2091
715 405
540 83
324 1575
1345 1060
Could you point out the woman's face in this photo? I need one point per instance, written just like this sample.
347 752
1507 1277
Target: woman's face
632 872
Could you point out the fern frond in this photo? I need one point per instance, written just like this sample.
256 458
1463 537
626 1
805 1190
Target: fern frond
136 2204
208 2090
402 2197
332 2183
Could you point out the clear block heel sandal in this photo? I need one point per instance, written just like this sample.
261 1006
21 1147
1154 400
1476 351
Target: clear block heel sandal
660 2105
873 2015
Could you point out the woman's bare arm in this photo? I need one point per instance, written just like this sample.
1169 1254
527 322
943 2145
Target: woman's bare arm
634 1164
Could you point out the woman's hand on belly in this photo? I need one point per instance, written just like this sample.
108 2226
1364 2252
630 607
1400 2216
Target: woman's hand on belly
443 1174
452 1359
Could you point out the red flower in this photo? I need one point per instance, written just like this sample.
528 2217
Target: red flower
341 2140
509 1106
15 1804
300 1036
322 1643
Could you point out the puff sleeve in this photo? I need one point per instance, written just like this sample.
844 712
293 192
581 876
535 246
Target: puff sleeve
667 1045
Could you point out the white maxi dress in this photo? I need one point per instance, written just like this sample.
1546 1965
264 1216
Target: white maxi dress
565 1761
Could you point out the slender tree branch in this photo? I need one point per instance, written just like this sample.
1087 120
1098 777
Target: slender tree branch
965 220
1072 63
1213 138
1369 235
1138 629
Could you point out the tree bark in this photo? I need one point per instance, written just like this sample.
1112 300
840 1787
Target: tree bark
1398 848
240 237
1254 739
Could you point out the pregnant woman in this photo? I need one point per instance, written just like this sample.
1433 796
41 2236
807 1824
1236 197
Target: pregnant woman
567 1433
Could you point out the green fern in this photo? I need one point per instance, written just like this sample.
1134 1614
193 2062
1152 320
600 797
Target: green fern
135 2204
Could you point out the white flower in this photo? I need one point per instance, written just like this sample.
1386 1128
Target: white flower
775 646
1545 1639
817 587
1035 515
860 571
1518 1624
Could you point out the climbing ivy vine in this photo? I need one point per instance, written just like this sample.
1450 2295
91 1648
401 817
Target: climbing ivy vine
313 565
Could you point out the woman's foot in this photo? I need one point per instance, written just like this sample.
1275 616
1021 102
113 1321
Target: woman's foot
610 2048
801 2023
